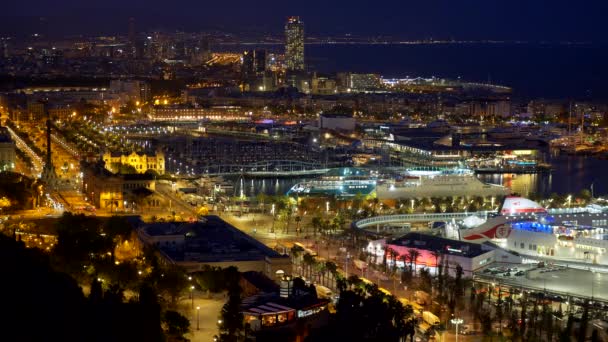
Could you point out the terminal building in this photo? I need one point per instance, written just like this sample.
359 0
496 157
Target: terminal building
337 122
214 242
435 250
190 113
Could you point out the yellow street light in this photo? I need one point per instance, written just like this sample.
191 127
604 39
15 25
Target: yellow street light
198 316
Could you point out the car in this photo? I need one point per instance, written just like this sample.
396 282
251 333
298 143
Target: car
469 332
508 274
519 273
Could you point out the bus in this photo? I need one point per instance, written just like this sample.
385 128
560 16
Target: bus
385 291
418 309
306 249
366 281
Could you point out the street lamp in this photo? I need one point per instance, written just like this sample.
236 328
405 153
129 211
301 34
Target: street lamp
456 321
346 265
198 316
192 295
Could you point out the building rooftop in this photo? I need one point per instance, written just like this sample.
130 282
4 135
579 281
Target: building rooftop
210 239
260 281
436 243
273 303
337 115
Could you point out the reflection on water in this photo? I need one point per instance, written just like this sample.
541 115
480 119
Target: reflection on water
269 186
520 184
570 174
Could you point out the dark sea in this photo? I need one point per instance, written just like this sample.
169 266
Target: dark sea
534 70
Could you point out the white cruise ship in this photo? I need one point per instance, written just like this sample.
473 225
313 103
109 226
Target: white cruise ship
525 227
419 183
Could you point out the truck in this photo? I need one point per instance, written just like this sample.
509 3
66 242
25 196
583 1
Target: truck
430 318
422 298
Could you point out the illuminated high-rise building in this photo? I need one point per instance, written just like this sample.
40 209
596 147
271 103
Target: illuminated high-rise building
294 44
132 34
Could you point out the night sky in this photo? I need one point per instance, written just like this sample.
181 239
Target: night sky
441 19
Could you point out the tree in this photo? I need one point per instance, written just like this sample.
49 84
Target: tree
309 261
261 199
80 240
458 281
332 268
296 254
231 325
150 313
177 325
298 219
117 227
392 254
55 301
316 224
582 335
171 282
413 255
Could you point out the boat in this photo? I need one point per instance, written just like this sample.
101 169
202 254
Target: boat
509 132
526 228
340 182
432 182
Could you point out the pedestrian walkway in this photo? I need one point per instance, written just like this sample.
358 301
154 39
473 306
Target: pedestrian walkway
205 318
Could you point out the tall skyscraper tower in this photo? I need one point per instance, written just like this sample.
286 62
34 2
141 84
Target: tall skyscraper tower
132 35
294 44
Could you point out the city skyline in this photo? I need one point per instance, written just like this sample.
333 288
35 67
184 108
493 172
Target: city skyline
474 20
311 171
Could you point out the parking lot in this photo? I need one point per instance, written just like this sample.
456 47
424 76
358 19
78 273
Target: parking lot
558 279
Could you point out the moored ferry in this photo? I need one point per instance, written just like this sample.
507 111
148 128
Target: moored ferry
341 182
433 182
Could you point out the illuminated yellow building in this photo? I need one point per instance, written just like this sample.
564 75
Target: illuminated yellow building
141 162
115 192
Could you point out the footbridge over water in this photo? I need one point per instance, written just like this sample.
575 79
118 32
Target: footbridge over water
267 168
580 216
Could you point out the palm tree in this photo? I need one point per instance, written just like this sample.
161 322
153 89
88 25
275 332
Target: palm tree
436 255
261 198
413 257
375 202
339 221
309 261
320 267
353 280
332 268
296 255
316 224
392 254
298 219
